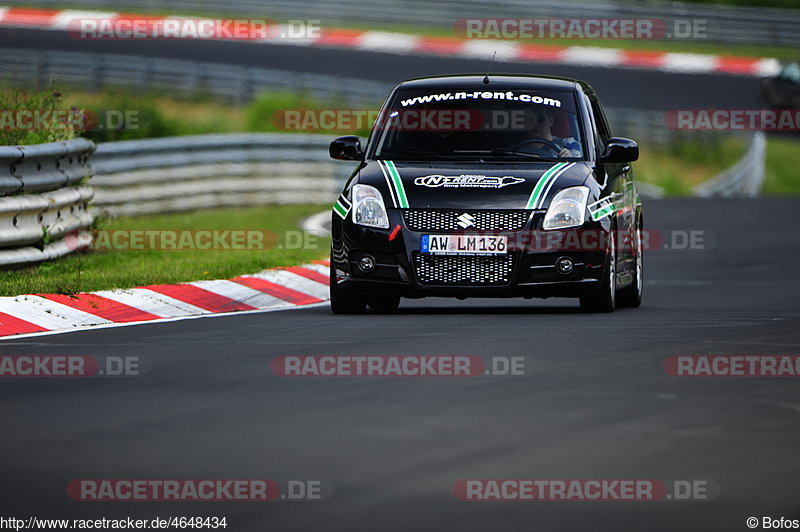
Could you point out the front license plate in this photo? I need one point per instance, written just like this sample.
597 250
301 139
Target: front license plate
464 244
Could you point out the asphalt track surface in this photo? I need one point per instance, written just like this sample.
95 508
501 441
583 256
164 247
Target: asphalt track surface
595 402
617 87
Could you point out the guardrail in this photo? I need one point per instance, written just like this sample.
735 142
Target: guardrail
43 200
233 83
744 179
205 171
725 24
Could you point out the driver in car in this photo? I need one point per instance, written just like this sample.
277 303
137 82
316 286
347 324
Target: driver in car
539 121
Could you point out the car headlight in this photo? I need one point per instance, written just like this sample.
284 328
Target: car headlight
368 207
568 208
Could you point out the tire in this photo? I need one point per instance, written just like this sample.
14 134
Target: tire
603 299
383 303
342 303
631 296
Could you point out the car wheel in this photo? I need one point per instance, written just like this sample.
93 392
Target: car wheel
342 303
631 296
383 303
604 298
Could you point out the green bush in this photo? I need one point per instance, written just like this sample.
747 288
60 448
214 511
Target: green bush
261 112
264 113
120 116
17 130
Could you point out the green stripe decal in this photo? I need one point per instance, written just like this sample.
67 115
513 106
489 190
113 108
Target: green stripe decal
537 190
398 185
338 209
601 213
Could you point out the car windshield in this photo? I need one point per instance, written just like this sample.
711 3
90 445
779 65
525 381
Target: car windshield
466 123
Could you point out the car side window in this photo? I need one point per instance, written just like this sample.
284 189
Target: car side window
599 145
601 123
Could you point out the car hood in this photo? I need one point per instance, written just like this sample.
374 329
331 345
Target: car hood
459 185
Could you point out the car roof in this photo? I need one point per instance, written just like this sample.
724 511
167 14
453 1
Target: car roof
496 81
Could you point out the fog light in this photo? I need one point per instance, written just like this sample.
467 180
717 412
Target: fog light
366 264
564 265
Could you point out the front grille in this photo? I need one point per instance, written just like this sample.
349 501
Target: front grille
471 270
421 220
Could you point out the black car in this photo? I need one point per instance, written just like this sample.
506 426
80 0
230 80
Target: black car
783 90
488 186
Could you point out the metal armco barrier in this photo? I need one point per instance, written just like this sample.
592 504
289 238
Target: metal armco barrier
205 171
43 200
744 179
44 167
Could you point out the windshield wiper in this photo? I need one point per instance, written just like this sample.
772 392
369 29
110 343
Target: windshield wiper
505 151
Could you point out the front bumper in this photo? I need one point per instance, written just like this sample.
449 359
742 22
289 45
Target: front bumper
528 270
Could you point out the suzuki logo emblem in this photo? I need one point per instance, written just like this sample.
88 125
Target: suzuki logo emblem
465 220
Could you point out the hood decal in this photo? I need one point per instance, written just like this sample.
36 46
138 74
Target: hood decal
544 184
467 181
470 185
395 183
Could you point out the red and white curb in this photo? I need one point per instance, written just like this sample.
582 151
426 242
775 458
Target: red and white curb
407 44
275 289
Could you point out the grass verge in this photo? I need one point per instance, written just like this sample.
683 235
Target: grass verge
683 165
782 177
285 245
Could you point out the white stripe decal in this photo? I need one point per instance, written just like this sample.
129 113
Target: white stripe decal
552 182
533 199
388 183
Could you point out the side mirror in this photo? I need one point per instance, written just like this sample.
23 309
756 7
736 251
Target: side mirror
620 150
347 148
